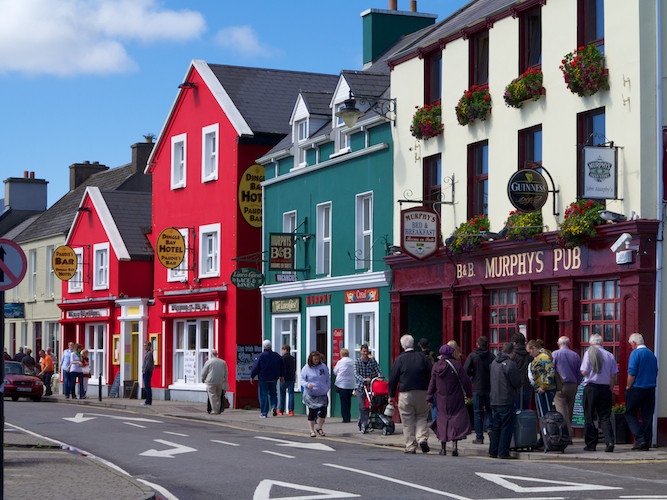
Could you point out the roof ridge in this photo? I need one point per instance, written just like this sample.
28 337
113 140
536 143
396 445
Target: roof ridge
269 69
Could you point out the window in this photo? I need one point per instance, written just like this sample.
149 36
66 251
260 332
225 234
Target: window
432 180
301 133
590 132
362 332
364 232
433 77
193 343
590 23
601 314
32 274
209 154
502 325
24 335
324 239
286 332
479 58
101 266
50 275
209 251
478 175
361 320
95 342
289 226
178 161
530 147
342 138
530 39
180 273
53 339
75 284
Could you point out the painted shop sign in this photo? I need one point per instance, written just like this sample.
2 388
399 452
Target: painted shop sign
14 310
170 248
314 300
420 232
286 277
290 305
599 172
363 295
87 313
245 355
281 252
64 262
192 307
250 195
247 278
337 344
527 190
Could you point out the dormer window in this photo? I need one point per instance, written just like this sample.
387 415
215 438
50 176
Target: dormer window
301 133
342 137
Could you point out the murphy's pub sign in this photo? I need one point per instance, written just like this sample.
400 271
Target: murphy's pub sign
599 172
420 232
527 190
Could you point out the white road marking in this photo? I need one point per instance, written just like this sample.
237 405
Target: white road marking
135 425
277 454
169 453
398 481
81 417
547 485
311 445
164 493
224 442
263 491
176 434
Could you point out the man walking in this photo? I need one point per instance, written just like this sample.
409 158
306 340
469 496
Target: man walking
268 368
365 370
46 366
287 387
214 375
566 363
411 374
478 367
599 368
19 355
64 364
505 380
147 372
640 391
522 359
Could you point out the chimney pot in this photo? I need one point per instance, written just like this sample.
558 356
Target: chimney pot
413 5
32 175
393 4
25 174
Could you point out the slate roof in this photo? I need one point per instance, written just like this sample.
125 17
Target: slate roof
317 102
131 211
21 226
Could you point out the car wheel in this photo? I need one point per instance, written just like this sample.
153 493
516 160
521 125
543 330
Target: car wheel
36 399
15 398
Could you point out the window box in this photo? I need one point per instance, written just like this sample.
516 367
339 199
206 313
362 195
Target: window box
523 226
524 88
427 122
579 222
474 104
584 71
467 237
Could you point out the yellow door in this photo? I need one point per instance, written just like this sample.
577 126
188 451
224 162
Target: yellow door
135 350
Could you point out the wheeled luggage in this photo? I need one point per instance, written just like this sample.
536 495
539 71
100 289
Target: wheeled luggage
524 436
553 429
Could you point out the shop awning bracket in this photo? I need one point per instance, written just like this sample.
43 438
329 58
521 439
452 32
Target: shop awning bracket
440 201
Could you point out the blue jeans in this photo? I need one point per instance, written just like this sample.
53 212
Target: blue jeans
501 430
642 401
73 377
267 391
482 413
286 388
66 383
147 387
345 403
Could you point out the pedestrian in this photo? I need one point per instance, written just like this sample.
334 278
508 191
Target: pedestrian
46 366
599 368
287 386
425 347
640 391
365 370
147 368
411 375
214 375
543 375
19 355
6 355
76 371
64 368
505 380
568 378
268 367
478 367
449 387
522 359
85 366
315 383
28 362
54 358
457 351
345 382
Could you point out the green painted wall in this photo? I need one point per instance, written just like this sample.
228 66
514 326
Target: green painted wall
382 29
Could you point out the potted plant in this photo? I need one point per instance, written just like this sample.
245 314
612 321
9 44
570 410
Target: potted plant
523 225
584 71
474 104
619 424
467 236
526 87
427 121
579 222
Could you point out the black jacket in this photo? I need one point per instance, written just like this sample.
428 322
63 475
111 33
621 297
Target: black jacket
411 372
505 380
478 367
290 367
522 359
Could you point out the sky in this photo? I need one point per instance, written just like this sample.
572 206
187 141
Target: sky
83 80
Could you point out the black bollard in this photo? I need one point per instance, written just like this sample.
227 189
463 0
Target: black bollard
99 387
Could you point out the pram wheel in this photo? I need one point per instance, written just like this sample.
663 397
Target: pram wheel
388 429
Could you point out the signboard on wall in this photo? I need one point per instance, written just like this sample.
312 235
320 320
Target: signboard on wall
247 278
420 232
190 367
64 262
87 313
170 248
362 295
290 305
337 344
599 172
14 310
527 190
250 195
245 355
281 252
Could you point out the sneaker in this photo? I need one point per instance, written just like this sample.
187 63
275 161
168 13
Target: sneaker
275 412
478 441
279 413
424 446
291 414
262 416
145 404
609 448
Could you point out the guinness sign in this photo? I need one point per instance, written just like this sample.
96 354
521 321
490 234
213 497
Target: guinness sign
527 190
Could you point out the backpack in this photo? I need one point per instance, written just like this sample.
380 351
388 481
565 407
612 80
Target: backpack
554 431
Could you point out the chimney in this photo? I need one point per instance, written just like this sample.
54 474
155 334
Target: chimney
140 153
26 193
413 5
79 172
393 4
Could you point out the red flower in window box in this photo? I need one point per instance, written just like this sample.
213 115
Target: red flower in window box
526 87
467 236
427 122
584 71
579 222
474 104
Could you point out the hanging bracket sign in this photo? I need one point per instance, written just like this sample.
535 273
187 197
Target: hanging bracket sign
170 248
599 175
64 262
247 278
527 190
420 232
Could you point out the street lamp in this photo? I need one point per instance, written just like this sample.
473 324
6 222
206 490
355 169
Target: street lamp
349 113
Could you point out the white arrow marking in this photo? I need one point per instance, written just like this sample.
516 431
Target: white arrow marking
548 485
79 417
295 444
224 442
175 450
263 491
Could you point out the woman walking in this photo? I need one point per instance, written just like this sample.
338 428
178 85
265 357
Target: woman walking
315 382
543 374
448 389
345 382
76 372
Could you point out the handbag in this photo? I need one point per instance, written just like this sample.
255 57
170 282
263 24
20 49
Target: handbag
457 377
86 370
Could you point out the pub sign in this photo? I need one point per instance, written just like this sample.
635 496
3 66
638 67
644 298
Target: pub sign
281 252
527 190
420 232
599 172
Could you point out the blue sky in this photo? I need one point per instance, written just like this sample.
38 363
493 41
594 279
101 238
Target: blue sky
83 80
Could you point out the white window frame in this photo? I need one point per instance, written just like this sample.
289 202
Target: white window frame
277 336
324 241
301 135
53 337
201 353
180 273
101 265
204 255
179 165
24 335
96 355
209 152
32 274
342 135
49 282
364 235
352 312
75 284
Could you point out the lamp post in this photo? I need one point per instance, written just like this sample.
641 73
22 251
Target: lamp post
382 106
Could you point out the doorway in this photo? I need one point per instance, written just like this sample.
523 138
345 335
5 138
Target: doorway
134 351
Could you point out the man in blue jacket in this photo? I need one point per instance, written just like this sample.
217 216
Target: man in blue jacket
268 368
640 391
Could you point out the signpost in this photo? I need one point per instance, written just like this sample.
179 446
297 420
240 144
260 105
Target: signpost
12 270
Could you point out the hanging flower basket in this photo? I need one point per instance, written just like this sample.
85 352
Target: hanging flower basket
523 226
474 104
584 71
579 222
467 236
427 121
526 87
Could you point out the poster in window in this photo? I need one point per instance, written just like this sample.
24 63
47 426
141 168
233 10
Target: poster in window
116 349
154 339
599 172
190 367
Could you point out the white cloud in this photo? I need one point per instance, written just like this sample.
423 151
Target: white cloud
68 37
244 39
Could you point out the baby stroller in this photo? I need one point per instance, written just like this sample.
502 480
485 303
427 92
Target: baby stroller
377 396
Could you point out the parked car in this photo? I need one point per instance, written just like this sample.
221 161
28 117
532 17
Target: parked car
19 384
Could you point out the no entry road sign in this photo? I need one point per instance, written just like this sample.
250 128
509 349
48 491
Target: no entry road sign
12 264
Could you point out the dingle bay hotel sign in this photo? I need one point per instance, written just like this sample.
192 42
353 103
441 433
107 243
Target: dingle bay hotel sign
527 190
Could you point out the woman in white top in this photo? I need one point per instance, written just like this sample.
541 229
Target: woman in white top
345 382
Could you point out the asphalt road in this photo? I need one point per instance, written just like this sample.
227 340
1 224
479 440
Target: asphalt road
201 459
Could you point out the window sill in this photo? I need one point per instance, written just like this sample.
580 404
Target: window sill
206 276
341 152
182 386
210 178
100 287
177 186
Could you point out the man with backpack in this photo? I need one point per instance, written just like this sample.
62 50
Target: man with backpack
478 367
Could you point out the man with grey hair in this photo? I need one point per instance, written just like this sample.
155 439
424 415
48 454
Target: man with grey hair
268 367
599 368
640 391
214 375
411 375
568 378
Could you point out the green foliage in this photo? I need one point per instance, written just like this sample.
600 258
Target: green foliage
468 235
475 103
584 72
523 225
526 87
427 121
579 222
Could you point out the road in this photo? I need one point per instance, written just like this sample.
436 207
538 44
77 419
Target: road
201 459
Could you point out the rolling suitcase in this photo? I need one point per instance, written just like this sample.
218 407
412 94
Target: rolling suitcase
524 436
553 430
